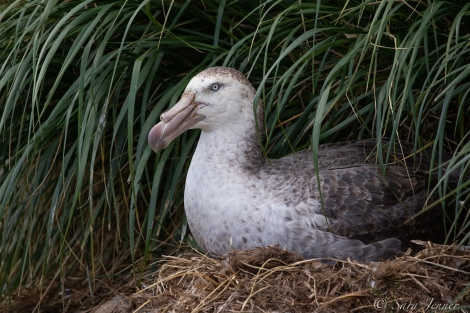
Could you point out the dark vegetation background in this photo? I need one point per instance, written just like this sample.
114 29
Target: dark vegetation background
82 82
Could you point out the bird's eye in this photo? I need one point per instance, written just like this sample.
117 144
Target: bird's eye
215 87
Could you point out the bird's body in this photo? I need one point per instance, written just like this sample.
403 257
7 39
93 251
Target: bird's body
235 198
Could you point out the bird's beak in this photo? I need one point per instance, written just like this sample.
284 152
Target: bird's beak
182 116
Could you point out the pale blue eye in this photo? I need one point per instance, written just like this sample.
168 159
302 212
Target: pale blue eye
215 86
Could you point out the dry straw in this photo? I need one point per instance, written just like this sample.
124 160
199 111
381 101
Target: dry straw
274 280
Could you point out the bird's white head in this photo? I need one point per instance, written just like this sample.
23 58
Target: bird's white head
217 98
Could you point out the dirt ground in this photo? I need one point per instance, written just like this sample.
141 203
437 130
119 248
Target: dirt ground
436 278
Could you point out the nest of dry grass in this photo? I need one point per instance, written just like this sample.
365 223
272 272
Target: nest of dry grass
274 280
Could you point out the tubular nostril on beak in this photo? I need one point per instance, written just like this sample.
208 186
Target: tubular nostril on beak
185 101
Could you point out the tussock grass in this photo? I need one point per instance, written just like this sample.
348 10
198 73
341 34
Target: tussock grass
81 83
